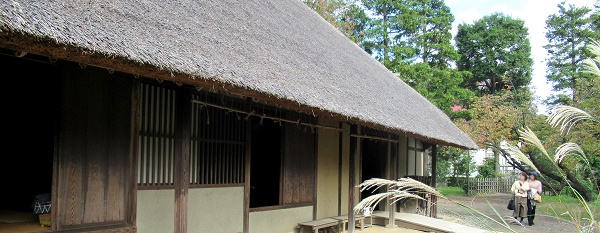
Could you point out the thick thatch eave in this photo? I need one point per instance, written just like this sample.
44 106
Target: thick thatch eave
275 51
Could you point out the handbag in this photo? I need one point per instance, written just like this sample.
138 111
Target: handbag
511 204
537 198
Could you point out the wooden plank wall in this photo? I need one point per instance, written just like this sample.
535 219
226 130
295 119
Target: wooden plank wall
298 164
94 157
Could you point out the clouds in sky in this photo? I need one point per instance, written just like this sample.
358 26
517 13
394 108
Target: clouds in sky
534 12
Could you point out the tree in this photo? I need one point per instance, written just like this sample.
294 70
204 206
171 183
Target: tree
347 16
424 29
596 17
441 86
353 22
427 54
443 168
382 35
327 9
574 141
496 50
488 168
494 120
567 33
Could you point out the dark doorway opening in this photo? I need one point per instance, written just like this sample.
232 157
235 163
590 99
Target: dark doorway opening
374 160
265 163
30 112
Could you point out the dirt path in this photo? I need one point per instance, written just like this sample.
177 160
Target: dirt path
499 202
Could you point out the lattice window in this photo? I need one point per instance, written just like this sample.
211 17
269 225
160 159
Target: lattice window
416 158
156 136
218 142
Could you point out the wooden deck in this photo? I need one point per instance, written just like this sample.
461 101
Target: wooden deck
423 223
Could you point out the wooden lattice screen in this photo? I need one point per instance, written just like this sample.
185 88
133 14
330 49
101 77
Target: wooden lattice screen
156 136
218 142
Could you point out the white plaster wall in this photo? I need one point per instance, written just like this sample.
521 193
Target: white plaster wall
216 210
155 211
328 171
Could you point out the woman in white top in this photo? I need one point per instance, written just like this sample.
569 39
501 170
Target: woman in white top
519 189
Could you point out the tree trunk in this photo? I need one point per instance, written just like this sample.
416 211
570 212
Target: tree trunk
385 35
586 193
497 158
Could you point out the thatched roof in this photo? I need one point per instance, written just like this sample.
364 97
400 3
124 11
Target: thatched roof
274 50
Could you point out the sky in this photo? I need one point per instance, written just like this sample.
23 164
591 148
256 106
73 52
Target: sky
534 13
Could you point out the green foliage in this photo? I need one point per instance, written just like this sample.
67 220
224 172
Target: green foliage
450 191
443 169
441 86
496 50
425 30
595 17
353 21
567 33
381 35
488 168
494 119
462 163
346 15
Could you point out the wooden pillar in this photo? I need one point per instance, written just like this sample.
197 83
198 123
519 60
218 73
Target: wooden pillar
248 151
354 155
133 166
183 127
392 176
434 178
316 174
434 165
340 167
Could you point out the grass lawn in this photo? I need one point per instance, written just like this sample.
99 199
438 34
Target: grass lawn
560 205
452 191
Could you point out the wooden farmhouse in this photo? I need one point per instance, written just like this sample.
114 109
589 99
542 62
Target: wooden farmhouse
200 116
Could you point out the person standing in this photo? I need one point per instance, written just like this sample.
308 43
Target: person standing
535 186
519 189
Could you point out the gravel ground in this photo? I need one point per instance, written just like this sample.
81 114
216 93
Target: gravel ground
499 202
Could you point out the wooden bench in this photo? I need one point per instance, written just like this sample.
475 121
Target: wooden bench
314 226
344 220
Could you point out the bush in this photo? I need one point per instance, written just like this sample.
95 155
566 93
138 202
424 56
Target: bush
488 168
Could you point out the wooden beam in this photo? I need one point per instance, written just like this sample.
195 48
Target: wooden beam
247 158
354 154
182 157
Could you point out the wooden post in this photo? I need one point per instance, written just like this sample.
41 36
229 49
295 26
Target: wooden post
246 227
183 118
340 165
132 205
392 176
316 174
354 153
434 178
434 166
